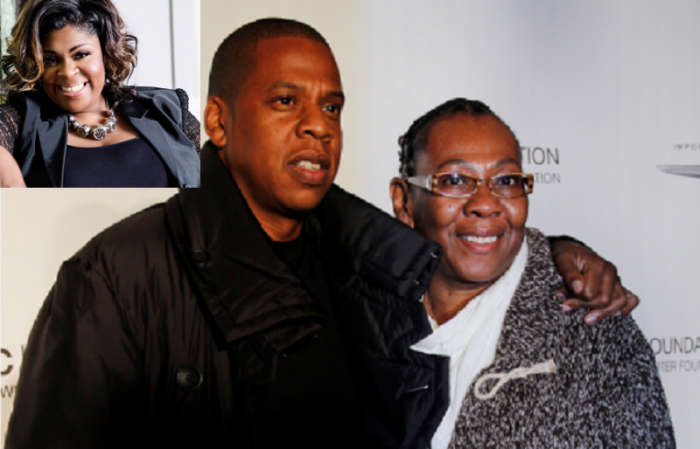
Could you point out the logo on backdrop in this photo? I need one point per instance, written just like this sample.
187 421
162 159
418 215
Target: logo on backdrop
10 360
692 171
677 354
545 161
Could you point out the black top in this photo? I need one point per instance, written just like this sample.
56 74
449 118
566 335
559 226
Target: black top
132 163
35 131
312 400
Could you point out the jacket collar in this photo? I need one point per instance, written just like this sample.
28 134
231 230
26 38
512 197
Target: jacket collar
249 289
375 246
534 303
245 285
45 125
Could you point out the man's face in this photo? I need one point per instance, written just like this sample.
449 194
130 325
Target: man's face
283 133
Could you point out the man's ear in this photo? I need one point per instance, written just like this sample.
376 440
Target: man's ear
401 201
215 115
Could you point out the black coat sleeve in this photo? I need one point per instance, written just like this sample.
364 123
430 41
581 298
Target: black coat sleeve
81 378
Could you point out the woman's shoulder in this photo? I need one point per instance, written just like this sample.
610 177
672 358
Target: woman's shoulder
174 103
162 92
148 95
9 111
166 99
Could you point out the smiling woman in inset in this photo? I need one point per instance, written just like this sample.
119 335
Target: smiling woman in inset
521 372
70 121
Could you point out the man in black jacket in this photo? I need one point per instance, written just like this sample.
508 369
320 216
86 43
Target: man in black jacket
265 309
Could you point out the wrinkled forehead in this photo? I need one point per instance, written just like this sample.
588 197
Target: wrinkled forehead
277 60
275 55
481 139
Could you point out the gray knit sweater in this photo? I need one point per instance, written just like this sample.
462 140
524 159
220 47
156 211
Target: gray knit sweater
604 392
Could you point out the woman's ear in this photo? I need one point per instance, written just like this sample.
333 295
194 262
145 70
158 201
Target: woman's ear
401 201
215 115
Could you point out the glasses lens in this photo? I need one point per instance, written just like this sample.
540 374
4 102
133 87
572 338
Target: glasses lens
456 184
509 186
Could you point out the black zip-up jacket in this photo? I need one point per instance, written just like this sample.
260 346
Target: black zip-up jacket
164 330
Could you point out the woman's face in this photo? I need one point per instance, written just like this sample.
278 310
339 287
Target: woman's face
74 72
480 235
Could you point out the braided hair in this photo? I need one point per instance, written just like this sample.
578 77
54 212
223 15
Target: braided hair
415 139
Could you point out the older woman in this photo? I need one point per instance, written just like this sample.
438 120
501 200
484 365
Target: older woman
521 373
70 121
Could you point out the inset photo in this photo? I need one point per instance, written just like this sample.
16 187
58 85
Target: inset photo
99 93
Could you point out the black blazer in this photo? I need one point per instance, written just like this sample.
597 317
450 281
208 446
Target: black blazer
157 115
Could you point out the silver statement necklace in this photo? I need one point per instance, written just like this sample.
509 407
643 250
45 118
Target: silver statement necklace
99 132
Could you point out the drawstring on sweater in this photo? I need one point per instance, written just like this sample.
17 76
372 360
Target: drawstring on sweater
517 373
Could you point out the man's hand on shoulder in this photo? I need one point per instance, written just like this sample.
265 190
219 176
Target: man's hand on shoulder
592 283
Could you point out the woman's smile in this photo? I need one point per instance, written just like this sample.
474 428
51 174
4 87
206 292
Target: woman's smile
72 90
480 244
74 72
482 233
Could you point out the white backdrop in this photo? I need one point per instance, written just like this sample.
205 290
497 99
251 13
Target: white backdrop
168 34
40 228
599 94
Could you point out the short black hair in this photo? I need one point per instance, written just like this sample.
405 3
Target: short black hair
415 139
234 60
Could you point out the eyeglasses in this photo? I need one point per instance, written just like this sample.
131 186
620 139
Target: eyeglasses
459 185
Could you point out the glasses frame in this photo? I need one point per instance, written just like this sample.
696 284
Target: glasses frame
430 183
